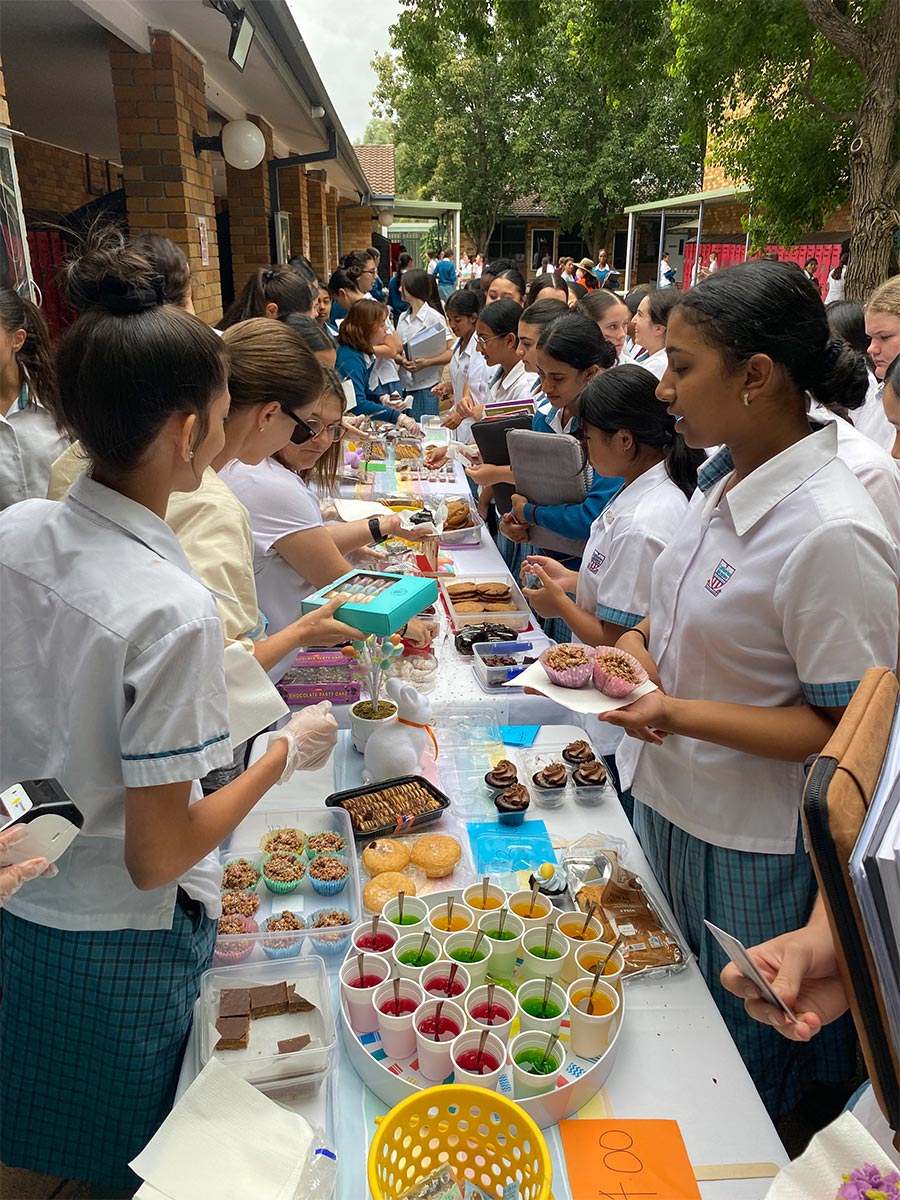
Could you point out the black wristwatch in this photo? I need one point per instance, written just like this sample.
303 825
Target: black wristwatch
375 529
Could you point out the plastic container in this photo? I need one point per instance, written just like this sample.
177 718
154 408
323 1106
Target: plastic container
534 966
461 919
261 1064
526 1084
462 983
518 617
590 1033
315 676
533 989
543 912
402 822
469 1042
461 943
468 536
359 1001
505 953
495 677
571 926
396 1029
434 1055
587 958
503 1002
445 1120
413 942
545 797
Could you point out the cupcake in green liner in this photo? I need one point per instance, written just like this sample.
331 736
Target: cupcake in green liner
231 949
240 875
291 840
325 843
289 923
282 872
328 874
329 931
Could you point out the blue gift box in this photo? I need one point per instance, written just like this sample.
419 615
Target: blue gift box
376 602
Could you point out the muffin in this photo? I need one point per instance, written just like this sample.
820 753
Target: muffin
282 872
385 854
578 752
567 665
551 777
329 930
436 854
244 904
328 874
511 804
291 840
240 876
503 775
325 843
384 887
590 774
616 672
229 949
284 922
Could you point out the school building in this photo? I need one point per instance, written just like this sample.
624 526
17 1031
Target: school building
137 109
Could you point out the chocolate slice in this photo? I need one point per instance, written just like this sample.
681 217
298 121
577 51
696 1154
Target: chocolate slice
234 1033
292 1045
235 1002
296 1002
268 1001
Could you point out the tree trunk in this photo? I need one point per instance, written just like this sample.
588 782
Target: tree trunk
874 179
479 230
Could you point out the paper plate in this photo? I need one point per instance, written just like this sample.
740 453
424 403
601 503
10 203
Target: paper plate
581 700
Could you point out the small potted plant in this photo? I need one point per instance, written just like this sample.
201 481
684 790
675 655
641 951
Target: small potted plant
369 663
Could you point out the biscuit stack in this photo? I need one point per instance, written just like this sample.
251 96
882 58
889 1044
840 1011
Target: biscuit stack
480 597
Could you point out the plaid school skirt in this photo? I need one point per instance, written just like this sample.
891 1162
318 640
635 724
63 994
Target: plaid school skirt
755 897
93 1027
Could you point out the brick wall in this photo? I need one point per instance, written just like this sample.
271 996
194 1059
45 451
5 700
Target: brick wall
4 107
357 227
315 193
251 213
160 100
715 177
332 241
293 200
54 180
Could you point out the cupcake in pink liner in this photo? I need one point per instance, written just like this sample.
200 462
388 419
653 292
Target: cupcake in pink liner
568 665
616 672
229 948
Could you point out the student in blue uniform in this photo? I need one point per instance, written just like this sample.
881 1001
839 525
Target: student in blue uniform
445 275
362 327
113 683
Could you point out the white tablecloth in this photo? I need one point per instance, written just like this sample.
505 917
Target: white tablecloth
676 1059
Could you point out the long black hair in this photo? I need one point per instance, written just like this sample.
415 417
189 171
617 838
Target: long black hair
626 399
766 307
660 302
284 287
543 312
576 340
35 357
464 303
502 317
847 321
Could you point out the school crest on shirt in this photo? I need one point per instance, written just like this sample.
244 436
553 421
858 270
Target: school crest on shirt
719 577
597 561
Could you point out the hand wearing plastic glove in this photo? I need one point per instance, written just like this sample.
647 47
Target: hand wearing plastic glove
311 735
12 877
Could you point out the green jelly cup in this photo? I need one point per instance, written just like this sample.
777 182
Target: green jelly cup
283 887
462 942
504 954
534 965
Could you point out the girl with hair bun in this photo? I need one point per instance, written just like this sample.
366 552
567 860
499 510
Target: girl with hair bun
770 601
847 322
30 435
272 292
113 683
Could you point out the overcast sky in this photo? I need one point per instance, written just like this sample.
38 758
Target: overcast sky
343 36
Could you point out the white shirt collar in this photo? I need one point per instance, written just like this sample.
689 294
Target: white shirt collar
628 497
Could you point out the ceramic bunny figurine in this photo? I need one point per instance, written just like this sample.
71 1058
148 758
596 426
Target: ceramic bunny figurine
399 747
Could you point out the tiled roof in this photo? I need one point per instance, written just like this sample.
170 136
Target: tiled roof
529 206
378 164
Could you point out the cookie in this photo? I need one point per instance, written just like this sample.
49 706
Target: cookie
469 606
385 854
499 606
384 887
494 591
461 591
436 854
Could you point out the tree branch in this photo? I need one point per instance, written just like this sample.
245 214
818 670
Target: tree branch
820 104
843 33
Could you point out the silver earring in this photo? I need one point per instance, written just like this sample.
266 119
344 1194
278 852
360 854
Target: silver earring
746 399
261 428
191 456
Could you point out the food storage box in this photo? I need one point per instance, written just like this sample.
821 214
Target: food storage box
379 603
261 1063
468 535
517 616
493 676
318 676
408 450
400 820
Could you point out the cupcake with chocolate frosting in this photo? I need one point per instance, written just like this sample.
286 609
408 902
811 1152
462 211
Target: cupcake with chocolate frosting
590 774
578 752
551 777
503 775
511 804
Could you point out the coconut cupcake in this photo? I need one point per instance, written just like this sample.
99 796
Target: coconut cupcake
568 665
616 672
282 872
229 948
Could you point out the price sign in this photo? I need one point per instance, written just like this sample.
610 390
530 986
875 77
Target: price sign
627 1160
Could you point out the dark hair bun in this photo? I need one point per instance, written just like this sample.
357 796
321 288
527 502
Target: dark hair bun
844 380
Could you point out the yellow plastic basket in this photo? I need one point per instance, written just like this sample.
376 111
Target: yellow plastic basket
484 1137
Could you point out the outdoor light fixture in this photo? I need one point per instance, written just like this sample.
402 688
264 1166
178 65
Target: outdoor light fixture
242 31
385 217
317 111
240 143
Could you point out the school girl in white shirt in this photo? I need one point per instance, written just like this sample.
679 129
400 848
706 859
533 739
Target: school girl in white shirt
113 684
469 374
612 317
627 434
650 323
30 437
776 593
847 321
420 374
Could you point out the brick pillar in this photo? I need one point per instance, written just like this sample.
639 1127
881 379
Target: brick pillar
331 198
294 200
315 192
160 100
250 211
4 107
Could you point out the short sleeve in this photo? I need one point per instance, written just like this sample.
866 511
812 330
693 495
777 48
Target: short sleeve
176 725
279 504
837 597
623 591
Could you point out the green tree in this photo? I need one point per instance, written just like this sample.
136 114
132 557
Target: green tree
804 100
380 131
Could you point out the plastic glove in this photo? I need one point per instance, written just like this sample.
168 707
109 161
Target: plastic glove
12 877
311 735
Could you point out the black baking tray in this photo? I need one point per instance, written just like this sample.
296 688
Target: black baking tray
335 800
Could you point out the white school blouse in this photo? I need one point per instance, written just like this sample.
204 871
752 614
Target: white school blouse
519 384
781 592
409 325
655 363
113 678
871 419
29 443
468 365
871 464
624 543
279 503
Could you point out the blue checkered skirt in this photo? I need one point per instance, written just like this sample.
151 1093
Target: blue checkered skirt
93 1027
423 403
755 897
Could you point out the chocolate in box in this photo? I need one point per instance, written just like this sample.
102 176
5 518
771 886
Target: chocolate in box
315 676
376 602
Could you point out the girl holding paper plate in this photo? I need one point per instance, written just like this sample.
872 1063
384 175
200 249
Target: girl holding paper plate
776 592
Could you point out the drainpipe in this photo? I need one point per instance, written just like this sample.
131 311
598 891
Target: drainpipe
296 160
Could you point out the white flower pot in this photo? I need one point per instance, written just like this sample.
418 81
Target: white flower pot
361 727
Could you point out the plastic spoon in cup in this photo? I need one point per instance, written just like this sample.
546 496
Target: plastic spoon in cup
617 944
534 892
425 936
592 908
480 1052
449 913
491 987
448 991
551 1045
547 938
485 880
375 921
479 938
401 896
397 996
503 915
437 1020
589 1003
548 983
360 964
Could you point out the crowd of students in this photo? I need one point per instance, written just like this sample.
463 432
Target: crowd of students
739 534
